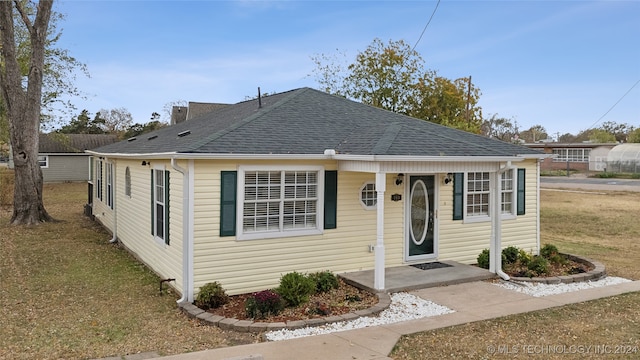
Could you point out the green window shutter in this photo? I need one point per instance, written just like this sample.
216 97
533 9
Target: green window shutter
330 199
153 205
458 196
521 191
166 207
228 203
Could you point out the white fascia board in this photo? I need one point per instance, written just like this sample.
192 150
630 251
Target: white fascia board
429 158
207 156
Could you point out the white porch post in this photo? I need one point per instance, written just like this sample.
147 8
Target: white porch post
378 280
495 209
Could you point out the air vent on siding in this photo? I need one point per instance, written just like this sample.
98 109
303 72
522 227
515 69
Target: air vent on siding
131 138
152 137
184 133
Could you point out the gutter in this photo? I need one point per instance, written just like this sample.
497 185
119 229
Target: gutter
187 240
496 245
114 173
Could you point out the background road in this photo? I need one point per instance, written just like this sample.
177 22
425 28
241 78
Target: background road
584 183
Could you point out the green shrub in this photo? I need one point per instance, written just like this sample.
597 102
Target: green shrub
510 255
483 259
325 281
549 251
606 175
524 258
295 288
538 266
211 296
263 304
635 176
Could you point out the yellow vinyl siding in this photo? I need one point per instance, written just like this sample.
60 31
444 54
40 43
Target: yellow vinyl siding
251 265
134 219
460 241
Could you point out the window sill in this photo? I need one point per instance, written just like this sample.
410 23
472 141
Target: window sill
278 234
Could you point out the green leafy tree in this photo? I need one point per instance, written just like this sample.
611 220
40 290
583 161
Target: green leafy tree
634 136
116 121
567 138
602 136
138 129
620 132
83 124
392 76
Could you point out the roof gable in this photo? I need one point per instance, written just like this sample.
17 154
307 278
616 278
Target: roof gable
307 121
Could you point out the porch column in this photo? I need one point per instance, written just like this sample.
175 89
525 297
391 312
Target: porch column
378 279
495 209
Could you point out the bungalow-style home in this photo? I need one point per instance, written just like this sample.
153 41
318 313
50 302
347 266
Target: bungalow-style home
306 181
62 157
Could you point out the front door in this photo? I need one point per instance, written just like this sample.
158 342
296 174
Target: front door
421 240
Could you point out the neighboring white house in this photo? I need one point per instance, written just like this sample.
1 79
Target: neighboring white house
62 157
305 181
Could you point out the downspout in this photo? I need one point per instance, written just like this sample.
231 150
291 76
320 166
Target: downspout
496 221
185 230
114 173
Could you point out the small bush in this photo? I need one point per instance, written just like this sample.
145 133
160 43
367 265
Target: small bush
211 296
483 259
295 288
263 304
325 281
524 258
549 251
606 175
510 255
538 266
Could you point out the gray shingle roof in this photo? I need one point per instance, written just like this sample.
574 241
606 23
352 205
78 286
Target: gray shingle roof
73 143
307 121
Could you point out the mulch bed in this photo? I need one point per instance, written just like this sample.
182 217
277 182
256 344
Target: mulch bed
343 300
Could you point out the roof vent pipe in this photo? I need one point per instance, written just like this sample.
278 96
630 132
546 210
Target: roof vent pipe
259 99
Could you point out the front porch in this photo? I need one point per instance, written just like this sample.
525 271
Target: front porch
411 277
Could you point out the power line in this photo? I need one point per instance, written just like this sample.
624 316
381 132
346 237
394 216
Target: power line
425 27
614 105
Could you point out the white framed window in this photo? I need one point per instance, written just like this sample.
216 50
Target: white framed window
277 202
109 184
369 196
478 192
508 193
127 182
571 155
159 195
43 161
99 179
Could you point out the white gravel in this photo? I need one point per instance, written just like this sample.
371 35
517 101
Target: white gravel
403 307
406 307
539 289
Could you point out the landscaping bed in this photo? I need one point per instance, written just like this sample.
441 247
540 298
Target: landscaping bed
342 300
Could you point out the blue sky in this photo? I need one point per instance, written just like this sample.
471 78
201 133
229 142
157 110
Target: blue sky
560 64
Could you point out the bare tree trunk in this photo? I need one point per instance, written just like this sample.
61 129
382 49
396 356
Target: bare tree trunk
23 108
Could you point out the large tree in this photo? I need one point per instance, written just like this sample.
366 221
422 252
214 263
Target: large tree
22 94
392 76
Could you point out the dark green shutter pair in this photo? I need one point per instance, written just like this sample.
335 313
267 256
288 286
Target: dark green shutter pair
458 194
166 206
229 192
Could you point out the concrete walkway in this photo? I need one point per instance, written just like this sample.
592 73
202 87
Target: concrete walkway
473 301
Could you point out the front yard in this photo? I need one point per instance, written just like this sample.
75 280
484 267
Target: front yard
67 293
601 227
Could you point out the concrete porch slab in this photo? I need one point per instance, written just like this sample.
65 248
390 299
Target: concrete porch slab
407 278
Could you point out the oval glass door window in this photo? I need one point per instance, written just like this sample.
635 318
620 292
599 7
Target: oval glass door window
419 212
